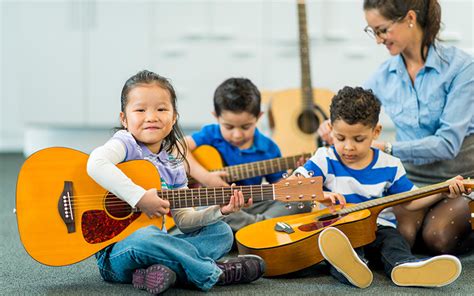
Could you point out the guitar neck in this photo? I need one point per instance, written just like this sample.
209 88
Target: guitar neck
261 168
186 198
395 199
306 88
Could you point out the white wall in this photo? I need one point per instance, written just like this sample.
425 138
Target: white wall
63 63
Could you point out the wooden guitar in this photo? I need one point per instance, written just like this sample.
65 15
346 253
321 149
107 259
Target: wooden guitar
294 113
64 216
211 160
290 243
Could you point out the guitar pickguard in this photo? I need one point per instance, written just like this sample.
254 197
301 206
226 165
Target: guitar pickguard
98 227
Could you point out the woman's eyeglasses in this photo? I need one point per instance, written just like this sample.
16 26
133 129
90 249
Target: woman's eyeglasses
381 32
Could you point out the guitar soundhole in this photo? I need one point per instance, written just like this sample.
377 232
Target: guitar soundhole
116 207
308 122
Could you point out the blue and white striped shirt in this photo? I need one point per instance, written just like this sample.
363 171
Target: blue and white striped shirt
384 176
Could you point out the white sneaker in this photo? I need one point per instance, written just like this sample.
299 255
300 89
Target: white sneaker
434 272
337 250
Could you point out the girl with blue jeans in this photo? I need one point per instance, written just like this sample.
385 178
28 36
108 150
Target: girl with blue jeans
150 258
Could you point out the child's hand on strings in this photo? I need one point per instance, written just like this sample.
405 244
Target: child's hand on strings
153 205
330 199
236 202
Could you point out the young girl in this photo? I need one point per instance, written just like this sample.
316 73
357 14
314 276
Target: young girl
151 258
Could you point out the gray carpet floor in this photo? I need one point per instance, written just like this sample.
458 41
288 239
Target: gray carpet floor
21 275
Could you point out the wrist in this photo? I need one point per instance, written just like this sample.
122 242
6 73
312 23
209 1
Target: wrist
388 148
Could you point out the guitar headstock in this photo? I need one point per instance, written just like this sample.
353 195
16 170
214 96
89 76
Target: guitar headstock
299 190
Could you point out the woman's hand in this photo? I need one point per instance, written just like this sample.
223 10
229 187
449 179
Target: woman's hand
456 187
152 205
236 202
324 131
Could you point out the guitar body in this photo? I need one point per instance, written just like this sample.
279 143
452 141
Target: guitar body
288 119
43 231
288 252
208 157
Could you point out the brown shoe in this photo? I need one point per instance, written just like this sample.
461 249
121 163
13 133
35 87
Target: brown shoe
241 270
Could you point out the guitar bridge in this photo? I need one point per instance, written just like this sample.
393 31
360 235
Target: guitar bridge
66 207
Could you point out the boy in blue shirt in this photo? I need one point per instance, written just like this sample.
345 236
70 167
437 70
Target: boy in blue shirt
355 172
238 140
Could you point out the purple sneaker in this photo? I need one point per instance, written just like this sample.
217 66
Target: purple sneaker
155 279
241 270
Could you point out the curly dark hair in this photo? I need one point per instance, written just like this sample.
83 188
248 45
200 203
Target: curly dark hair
355 105
237 95
174 142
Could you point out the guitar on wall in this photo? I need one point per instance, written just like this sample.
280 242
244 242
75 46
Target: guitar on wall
293 113
211 160
64 216
290 243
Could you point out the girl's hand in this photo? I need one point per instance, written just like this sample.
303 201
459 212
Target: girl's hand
236 203
456 187
330 199
215 179
325 132
152 205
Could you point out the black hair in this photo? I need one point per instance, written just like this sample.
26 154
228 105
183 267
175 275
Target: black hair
355 105
237 95
174 141
428 13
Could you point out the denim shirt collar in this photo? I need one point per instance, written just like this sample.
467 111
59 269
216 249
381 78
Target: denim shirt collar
433 61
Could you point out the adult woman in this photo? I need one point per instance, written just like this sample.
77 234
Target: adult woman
425 87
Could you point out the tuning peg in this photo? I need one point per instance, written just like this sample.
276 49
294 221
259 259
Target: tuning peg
313 204
284 175
300 205
298 174
288 206
310 173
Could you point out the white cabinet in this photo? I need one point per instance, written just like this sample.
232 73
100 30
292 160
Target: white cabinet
48 61
117 46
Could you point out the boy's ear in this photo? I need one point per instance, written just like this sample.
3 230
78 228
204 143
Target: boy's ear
214 114
377 131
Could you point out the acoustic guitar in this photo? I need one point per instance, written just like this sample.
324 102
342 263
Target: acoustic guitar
295 114
290 243
64 216
211 160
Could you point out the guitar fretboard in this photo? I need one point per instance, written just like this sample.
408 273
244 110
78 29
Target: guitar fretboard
306 86
261 168
186 198
401 197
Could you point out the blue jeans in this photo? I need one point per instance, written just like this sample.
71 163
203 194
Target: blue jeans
191 256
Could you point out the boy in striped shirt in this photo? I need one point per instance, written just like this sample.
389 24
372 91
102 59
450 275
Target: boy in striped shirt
355 172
